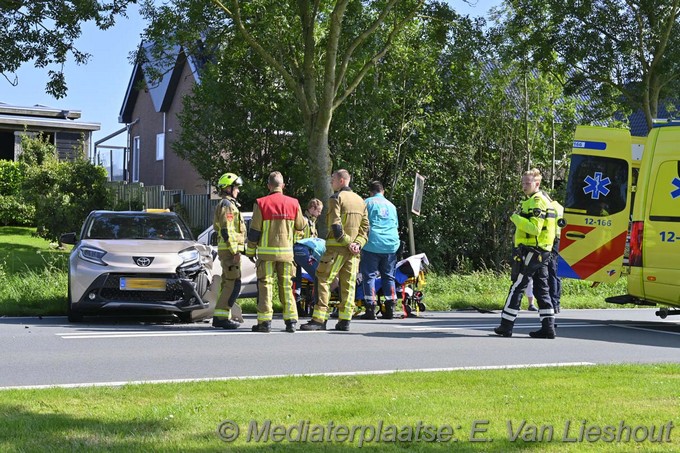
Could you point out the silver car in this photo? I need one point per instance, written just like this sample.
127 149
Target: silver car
138 261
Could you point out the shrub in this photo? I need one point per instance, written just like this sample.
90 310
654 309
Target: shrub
15 212
11 177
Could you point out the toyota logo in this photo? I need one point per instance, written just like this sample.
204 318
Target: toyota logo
142 261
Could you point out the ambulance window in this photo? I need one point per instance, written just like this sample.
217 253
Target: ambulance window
666 193
597 186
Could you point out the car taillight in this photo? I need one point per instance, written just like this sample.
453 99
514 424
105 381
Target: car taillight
636 230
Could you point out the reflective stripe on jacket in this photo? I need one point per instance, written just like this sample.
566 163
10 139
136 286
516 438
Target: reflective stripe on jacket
276 217
347 219
229 226
535 223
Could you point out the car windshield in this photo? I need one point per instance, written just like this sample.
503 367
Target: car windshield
141 226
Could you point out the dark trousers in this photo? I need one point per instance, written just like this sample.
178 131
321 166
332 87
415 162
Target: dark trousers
530 263
554 282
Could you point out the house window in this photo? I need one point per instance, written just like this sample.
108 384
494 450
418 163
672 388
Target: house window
135 159
160 146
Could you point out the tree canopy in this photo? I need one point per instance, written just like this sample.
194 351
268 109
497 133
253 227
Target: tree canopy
45 31
605 48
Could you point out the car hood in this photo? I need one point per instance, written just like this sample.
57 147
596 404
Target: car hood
137 246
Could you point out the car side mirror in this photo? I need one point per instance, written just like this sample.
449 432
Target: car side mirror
213 238
68 238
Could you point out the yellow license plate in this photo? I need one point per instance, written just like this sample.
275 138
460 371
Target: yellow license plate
145 284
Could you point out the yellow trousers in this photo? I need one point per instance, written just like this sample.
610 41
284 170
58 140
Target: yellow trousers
340 262
268 273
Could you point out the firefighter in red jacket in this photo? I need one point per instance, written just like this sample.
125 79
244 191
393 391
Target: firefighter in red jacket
276 218
347 222
230 229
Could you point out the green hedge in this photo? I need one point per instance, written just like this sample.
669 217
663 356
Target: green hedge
11 177
15 212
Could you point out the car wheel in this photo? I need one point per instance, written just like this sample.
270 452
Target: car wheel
71 314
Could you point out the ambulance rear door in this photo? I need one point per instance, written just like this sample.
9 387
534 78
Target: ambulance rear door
597 205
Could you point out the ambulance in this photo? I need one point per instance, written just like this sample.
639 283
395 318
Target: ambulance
622 213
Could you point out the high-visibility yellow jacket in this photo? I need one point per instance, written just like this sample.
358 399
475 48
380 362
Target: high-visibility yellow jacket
229 226
276 217
347 219
535 223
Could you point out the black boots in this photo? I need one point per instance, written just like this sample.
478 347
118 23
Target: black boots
263 327
342 325
313 325
369 314
505 329
291 326
389 310
547 329
224 323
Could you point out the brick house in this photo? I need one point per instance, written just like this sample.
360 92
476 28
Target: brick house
150 111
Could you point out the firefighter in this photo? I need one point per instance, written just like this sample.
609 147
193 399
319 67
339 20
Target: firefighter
230 229
347 223
276 218
534 237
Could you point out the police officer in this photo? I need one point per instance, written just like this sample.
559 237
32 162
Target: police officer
347 223
276 218
534 237
230 229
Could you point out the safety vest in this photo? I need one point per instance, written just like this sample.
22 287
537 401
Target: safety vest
535 223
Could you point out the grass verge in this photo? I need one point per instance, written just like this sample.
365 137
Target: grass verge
584 408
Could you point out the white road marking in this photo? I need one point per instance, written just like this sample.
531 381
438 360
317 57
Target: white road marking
138 334
274 376
646 329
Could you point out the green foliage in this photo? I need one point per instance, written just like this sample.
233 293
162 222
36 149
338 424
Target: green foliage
46 34
36 151
134 204
14 211
615 51
63 193
11 177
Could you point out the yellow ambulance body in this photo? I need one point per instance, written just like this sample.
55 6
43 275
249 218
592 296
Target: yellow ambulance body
611 176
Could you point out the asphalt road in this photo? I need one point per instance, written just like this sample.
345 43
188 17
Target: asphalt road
50 351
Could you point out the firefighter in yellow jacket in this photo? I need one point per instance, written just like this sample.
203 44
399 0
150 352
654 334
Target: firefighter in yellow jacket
347 223
230 229
534 237
276 218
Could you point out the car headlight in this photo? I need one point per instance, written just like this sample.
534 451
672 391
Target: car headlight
189 256
92 255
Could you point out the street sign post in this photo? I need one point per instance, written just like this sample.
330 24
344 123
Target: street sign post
416 204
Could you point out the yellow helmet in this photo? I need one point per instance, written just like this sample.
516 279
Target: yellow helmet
229 179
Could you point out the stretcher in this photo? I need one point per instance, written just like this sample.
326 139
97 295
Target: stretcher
409 280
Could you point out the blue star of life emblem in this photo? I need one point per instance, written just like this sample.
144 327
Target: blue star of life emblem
676 192
596 186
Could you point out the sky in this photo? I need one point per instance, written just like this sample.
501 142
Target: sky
98 88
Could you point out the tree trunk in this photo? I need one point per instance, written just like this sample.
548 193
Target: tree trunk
320 164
